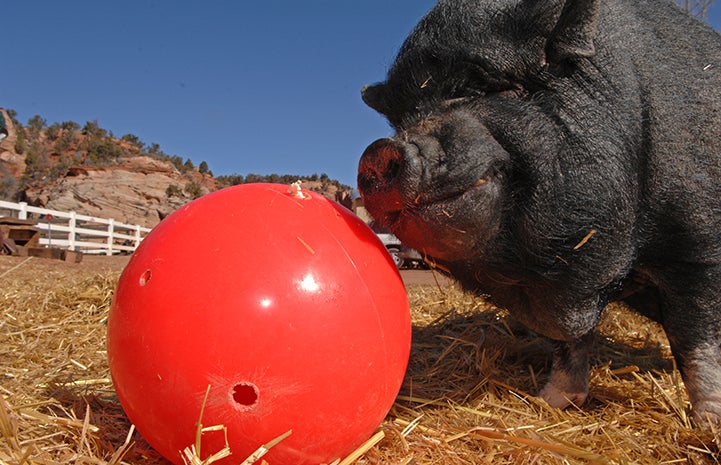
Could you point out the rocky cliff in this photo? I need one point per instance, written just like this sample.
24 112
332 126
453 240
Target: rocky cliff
62 167
135 190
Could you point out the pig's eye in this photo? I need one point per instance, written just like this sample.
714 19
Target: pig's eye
517 91
478 79
454 101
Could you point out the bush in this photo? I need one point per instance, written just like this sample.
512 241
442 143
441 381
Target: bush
103 151
59 170
36 159
92 128
133 139
8 186
20 141
193 189
253 178
69 126
154 148
231 179
66 139
36 124
177 162
53 131
173 191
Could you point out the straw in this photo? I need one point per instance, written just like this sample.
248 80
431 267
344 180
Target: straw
467 397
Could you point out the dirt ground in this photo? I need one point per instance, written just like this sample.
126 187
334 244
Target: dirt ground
56 269
95 264
424 277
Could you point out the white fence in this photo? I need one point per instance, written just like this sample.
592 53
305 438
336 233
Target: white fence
71 231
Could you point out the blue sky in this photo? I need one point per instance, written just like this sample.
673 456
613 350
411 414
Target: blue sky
261 87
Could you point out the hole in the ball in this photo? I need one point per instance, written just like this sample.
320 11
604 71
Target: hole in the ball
145 277
245 394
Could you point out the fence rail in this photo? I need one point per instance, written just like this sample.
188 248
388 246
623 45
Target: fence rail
69 230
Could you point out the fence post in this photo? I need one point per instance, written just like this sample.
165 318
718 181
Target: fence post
71 231
23 213
137 235
111 233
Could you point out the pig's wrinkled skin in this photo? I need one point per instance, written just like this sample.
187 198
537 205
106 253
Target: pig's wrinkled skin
559 155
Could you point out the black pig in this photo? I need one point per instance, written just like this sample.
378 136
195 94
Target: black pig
557 155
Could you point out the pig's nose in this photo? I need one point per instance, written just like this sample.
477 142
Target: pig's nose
380 166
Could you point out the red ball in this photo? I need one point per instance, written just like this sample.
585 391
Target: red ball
285 303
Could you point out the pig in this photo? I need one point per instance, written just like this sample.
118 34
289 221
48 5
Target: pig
555 156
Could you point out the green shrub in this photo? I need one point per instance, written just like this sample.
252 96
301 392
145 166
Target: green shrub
133 139
103 151
193 189
20 141
65 141
8 186
36 124
173 191
177 162
92 128
53 131
70 126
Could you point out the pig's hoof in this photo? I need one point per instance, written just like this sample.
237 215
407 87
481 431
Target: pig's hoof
707 411
561 396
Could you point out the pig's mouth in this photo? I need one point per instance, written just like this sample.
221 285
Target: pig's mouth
448 204
442 227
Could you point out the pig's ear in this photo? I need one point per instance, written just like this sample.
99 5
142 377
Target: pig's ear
572 37
374 97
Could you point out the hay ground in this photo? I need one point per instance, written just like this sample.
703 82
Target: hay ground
466 399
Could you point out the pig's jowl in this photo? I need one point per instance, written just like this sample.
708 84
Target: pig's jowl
559 155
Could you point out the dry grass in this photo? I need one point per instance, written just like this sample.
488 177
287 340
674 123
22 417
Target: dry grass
466 400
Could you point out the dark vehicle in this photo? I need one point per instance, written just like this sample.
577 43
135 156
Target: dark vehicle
403 257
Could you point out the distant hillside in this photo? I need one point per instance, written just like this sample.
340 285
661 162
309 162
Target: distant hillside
87 169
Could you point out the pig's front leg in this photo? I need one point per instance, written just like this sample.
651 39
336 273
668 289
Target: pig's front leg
701 371
568 383
691 317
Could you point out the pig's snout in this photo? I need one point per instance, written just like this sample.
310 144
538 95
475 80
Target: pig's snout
380 166
389 165
388 174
